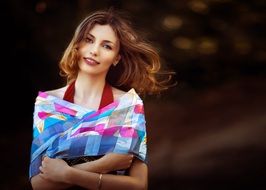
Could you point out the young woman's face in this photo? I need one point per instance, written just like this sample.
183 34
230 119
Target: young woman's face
99 50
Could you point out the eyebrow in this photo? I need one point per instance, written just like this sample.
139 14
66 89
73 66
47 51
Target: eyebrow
107 41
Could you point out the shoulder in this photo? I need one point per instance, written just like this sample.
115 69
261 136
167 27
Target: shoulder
59 92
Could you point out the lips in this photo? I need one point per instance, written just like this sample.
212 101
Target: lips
91 61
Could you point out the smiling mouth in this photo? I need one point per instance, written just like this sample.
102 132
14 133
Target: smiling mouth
91 61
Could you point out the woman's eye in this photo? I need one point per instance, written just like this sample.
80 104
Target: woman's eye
107 47
89 40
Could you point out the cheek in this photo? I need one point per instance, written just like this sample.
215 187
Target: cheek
109 57
83 49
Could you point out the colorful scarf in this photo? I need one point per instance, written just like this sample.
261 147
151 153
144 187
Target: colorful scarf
62 129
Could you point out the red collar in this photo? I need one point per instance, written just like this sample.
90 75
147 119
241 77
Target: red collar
107 95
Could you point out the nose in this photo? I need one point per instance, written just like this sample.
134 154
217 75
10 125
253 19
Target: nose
93 53
94 50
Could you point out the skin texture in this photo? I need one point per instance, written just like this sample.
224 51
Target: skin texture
101 45
98 52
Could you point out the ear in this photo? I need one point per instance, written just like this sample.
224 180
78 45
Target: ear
117 59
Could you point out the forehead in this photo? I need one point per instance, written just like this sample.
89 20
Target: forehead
103 32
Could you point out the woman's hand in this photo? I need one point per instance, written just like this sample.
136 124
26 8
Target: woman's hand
53 169
114 161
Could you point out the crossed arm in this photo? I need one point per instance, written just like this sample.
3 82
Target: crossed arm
56 174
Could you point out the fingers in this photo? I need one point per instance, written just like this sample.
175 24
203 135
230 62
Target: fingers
41 174
130 157
45 157
43 164
44 160
41 170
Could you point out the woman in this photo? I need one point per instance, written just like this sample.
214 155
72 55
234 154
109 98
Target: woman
93 129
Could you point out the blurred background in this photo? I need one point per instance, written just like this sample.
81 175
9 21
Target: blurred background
207 132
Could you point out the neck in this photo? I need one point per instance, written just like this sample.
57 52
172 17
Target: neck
88 87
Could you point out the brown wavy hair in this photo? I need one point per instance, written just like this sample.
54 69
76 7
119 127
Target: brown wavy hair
139 66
